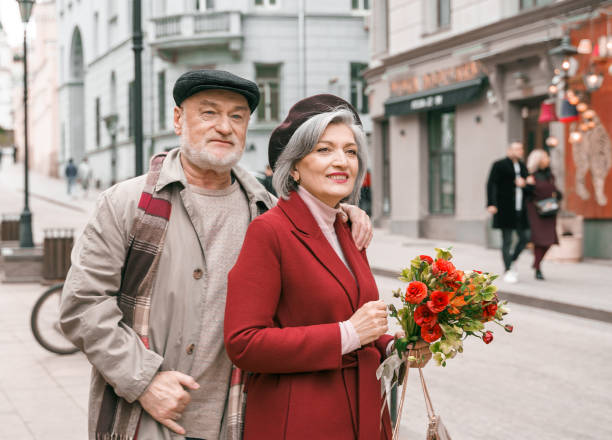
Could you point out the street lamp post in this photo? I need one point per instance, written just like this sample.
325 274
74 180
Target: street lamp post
25 222
111 125
137 48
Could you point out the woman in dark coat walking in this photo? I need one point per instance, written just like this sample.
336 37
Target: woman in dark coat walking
540 186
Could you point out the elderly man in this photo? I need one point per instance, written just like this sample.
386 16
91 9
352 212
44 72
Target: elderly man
145 297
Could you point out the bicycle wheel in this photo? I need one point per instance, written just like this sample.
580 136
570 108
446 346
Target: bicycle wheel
45 322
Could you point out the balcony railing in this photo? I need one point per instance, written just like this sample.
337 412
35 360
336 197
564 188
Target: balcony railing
176 32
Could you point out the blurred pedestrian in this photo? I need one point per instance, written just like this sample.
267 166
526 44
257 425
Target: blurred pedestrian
365 200
145 296
266 181
506 202
543 218
85 175
71 174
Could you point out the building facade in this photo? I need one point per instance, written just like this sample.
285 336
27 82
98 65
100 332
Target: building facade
451 83
42 92
291 48
6 82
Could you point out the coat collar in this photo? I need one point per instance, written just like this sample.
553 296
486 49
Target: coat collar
172 171
309 233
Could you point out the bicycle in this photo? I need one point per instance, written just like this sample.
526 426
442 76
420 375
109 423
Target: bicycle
45 322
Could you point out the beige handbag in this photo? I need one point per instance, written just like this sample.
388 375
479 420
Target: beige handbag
435 428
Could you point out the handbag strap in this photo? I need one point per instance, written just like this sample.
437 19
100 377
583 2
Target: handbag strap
430 410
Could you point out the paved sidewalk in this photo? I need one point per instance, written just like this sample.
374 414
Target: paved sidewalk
580 289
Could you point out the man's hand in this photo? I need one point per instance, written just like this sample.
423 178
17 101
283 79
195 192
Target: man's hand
520 182
165 398
361 228
492 209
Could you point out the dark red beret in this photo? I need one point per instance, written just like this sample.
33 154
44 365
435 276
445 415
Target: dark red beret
300 113
190 83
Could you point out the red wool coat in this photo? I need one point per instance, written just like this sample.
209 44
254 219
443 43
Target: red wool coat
286 295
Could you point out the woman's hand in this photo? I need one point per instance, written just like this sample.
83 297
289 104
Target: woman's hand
370 321
530 180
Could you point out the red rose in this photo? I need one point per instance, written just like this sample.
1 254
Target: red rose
441 266
478 271
431 334
439 301
416 292
487 337
426 258
489 310
509 328
425 317
454 278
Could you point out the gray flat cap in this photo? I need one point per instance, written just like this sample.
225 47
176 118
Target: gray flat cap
195 81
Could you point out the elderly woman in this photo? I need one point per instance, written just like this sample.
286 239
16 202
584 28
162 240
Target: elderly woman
303 313
540 186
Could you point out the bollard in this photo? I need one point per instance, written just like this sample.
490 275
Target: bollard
9 228
57 247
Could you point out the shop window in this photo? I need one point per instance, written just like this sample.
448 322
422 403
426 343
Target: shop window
386 169
360 5
161 99
268 80
358 85
529 4
441 136
98 121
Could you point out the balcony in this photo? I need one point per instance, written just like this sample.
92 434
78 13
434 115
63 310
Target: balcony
172 34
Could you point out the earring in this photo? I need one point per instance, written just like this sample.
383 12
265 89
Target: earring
298 180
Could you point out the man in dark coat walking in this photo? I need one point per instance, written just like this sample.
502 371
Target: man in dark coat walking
506 201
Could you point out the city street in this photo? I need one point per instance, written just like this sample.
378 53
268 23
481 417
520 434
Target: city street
550 379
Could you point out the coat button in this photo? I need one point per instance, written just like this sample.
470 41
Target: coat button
190 348
197 274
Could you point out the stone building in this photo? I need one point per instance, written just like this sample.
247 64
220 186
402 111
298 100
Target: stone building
451 83
291 48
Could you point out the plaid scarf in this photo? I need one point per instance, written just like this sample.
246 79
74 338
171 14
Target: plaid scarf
118 419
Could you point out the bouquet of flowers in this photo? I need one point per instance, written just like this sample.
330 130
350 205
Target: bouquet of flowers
441 306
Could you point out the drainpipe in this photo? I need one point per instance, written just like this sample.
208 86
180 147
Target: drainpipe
302 49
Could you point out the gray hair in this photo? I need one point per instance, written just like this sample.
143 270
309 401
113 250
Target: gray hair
534 160
304 140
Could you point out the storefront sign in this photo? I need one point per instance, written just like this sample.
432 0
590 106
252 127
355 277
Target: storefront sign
426 103
403 85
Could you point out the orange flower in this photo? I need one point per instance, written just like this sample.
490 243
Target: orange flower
456 303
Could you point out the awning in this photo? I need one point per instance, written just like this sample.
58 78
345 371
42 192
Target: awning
446 96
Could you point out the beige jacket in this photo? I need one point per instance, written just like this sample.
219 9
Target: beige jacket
90 316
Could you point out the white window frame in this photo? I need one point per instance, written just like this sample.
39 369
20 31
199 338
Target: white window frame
266 4
361 7
266 93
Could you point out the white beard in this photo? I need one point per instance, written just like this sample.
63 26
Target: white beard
202 159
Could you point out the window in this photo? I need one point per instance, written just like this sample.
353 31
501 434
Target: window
360 5
266 3
98 118
443 13
386 168
95 34
528 4
203 5
441 130
112 8
268 80
358 85
131 109
437 15
161 99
